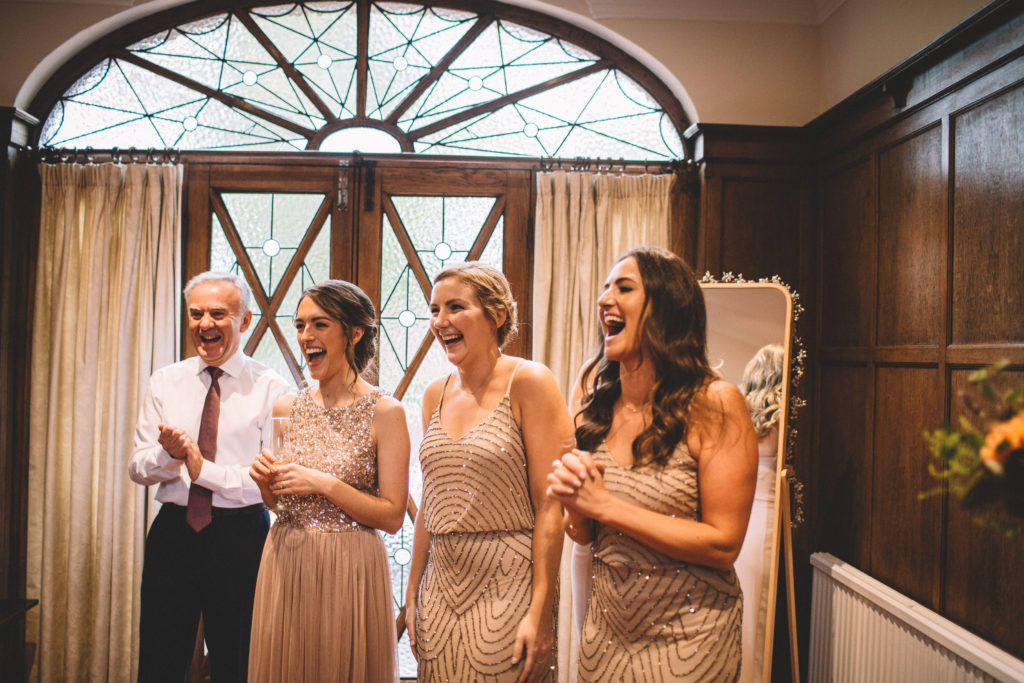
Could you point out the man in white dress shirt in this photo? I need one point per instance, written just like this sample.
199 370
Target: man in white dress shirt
203 421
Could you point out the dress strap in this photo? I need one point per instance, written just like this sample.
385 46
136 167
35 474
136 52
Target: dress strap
511 377
444 390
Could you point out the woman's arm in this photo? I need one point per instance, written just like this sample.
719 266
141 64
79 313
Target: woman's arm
563 482
421 538
385 511
264 468
725 448
547 431
420 554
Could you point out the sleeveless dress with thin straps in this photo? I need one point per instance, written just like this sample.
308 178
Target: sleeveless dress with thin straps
652 617
478 581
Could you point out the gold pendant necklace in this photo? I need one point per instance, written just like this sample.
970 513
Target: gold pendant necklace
634 409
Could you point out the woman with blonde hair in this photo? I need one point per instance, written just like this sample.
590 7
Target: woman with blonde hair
482 584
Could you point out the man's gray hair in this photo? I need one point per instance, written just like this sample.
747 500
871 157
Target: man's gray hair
244 293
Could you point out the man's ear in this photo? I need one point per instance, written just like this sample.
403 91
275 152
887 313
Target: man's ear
246 319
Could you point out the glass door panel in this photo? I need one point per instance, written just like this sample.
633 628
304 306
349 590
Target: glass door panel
277 227
390 228
426 224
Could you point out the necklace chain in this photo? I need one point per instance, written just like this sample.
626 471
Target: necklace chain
634 409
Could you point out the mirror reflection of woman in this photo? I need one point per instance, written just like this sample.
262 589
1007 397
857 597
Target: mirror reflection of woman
661 483
323 609
762 388
481 591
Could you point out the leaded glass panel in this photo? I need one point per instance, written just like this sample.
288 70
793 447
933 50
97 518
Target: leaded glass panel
442 230
320 40
405 42
283 78
271 227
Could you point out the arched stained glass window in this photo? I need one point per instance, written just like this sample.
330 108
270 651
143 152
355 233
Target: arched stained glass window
377 77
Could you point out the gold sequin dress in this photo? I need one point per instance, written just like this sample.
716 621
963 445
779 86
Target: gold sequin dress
478 581
651 617
323 609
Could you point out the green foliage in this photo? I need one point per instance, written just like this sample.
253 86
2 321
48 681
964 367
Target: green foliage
994 499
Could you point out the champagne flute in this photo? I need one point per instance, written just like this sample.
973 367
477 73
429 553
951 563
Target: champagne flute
281 443
281 446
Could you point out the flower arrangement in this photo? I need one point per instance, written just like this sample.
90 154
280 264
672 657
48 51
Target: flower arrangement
982 460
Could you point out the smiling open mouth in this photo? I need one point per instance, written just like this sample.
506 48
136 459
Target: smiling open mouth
210 337
614 325
452 339
313 355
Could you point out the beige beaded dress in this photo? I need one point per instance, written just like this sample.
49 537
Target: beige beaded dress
323 609
651 617
478 581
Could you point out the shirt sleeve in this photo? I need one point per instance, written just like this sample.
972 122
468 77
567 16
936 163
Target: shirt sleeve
233 482
149 462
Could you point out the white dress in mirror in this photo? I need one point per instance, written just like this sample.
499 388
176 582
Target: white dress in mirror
749 328
762 389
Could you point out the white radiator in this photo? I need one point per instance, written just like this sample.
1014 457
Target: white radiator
862 631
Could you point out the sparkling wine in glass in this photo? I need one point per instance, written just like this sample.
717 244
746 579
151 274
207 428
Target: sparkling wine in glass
281 443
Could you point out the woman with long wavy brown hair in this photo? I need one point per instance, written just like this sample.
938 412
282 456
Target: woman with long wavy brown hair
661 483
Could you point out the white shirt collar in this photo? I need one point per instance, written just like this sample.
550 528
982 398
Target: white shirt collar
232 367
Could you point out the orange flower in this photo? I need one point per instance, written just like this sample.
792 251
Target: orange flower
1001 440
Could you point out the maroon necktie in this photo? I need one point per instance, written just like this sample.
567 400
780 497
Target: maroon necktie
199 514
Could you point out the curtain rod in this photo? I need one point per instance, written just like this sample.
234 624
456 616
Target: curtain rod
611 165
88 155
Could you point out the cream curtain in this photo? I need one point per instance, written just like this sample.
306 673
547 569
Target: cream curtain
105 310
584 222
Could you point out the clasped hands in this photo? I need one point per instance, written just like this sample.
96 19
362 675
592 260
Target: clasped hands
577 482
180 446
285 478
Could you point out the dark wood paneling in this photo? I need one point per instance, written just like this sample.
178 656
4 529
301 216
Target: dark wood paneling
761 228
920 276
518 256
911 242
19 234
988 242
906 536
839 495
947 68
983 569
847 247
754 216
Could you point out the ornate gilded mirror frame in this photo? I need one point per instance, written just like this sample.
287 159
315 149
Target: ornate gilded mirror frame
745 320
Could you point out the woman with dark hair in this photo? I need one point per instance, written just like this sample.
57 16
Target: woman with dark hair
481 595
323 609
660 483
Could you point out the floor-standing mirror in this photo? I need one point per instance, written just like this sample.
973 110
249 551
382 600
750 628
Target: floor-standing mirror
750 343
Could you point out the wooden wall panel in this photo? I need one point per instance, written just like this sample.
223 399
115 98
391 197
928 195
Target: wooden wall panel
906 536
920 257
911 242
19 235
847 248
983 569
761 228
839 493
988 240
